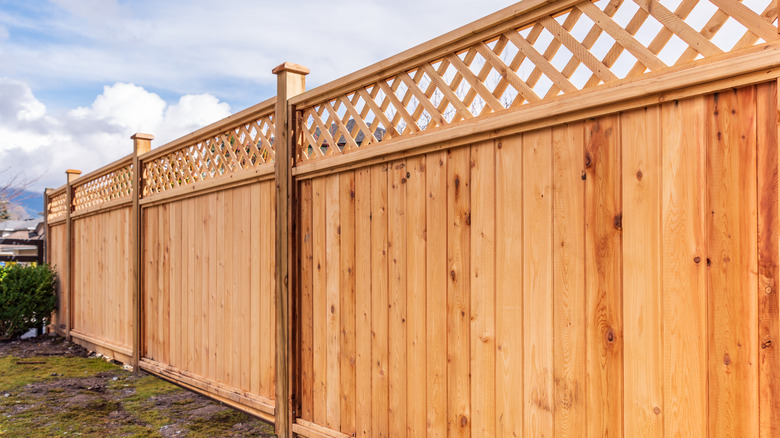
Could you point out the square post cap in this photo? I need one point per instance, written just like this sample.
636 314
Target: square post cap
292 68
142 136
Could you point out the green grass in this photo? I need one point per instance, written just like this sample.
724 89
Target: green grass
83 399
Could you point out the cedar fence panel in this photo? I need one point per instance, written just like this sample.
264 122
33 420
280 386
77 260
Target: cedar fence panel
545 223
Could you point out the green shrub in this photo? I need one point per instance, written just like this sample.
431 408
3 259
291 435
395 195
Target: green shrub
27 298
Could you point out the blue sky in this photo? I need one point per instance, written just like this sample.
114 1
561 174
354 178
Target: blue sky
78 77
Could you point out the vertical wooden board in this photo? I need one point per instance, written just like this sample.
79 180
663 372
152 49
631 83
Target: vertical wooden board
436 276
538 361
642 280
194 294
268 259
205 238
214 236
319 303
416 296
458 298
733 285
246 290
187 257
569 279
768 261
271 245
306 317
333 311
362 300
221 294
396 258
379 302
483 289
228 288
151 290
175 279
164 280
347 301
255 320
237 292
196 272
603 225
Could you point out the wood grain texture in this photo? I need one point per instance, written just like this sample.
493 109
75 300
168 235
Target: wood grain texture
437 275
379 302
363 300
733 285
768 259
538 363
347 302
642 273
306 310
509 290
603 229
458 298
569 312
396 260
416 345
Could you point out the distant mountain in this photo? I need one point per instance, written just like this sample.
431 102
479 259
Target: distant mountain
32 202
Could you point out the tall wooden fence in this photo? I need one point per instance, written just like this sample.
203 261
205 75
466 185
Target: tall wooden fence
559 220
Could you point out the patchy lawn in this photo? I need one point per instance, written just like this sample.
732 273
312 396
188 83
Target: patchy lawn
49 387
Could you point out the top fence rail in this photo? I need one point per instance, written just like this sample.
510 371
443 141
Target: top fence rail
535 56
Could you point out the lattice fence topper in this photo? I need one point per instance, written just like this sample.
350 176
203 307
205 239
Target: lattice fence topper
113 185
584 46
242 147
57 207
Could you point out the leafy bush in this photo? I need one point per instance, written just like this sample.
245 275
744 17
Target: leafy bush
27 298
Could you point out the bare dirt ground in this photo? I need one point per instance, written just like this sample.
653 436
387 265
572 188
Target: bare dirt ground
52 388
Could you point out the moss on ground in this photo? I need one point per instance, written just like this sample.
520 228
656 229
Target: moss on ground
76 396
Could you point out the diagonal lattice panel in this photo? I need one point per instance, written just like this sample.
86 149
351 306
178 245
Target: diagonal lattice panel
584 46
57 206
239 147
114 185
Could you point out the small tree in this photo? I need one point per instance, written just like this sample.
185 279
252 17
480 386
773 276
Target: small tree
27 298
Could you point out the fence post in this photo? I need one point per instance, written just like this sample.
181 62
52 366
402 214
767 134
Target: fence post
46 225
291 81
68 292
142 143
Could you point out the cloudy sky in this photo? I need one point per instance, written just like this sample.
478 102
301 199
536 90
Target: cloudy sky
78 77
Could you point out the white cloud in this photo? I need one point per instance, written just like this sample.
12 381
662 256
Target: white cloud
44 145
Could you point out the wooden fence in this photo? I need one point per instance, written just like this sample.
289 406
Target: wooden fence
559 220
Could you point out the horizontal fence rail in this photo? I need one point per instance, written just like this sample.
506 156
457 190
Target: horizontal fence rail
559 219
